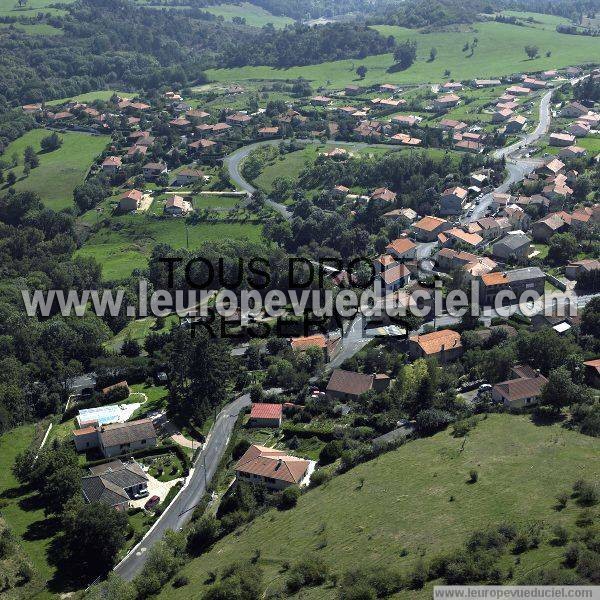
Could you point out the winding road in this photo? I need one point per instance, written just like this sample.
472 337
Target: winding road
179 512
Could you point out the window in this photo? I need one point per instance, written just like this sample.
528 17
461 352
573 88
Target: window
143 441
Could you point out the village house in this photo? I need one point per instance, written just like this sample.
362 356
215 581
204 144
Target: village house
320 100
445 346
445 102
176 206
515 124
274 469
557 189
478 179
388 87
455 235
546 227
561 139
592 372
500 200
238 119
136 152
575 268
406 140
403 216
402 249
452 86
517 280
405 120
196 115
523 390
383 194
115 483
574 109
268 132
579 129
130 200
340 191
202 146
481 83
535 84
499 116
352 90
329 346
552 168
391 275
117 438
514 247
518 90
188 176
452 201
470 265
180 123
111 164
517 217
428 228
263 414
573 152
153 169
452 125
349 386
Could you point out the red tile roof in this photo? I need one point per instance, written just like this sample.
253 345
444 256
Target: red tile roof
266 411
276 464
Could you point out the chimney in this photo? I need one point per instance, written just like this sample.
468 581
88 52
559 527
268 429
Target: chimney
279 463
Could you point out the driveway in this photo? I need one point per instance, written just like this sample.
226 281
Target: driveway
155 488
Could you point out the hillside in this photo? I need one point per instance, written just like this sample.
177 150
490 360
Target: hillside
403 503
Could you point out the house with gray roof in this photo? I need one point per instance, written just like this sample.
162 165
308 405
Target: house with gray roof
514 246
115 483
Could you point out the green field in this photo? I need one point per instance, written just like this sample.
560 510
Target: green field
138 330
255 15
499 52
34 29
31 9
24 516
60 171
91 96
403 503
290 165
121 251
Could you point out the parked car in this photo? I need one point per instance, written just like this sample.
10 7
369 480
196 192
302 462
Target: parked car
154 500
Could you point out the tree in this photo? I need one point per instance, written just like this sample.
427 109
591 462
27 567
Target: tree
30 157
11 178
51 142
405 54
590 318
432 54
562 248
560 390
89 194
60 487
288 498
94 534
203 534
361 71
532 51
131 348
330 452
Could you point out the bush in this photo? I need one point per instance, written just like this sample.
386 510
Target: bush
331 452
561 535
418 576
180 581
240 448
319 477
587 493
561 500
308 572
473 476
588 566
572 554
203 534
288 498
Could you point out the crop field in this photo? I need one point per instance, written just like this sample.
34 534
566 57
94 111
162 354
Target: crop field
59 171
415 501
499 51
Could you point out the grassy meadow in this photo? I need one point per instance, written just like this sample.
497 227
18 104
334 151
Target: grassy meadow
60 171
401 500
127 246
255 15
10 8
500 51
91 96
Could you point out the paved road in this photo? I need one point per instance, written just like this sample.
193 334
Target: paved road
179 512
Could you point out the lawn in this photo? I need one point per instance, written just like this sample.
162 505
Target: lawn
255 15
401 500
33 29
24 516
91 96
139 330
60 171
31 9
120 251
500 51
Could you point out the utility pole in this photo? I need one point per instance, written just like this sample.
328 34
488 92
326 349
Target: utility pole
204 466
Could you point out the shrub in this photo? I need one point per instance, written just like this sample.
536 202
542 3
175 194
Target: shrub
585 518
561 535
418 576
288 498
587 493
240 448
473 476
308 572
588 565
572 554
203 534
331 452
180 581
319 477
561 500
